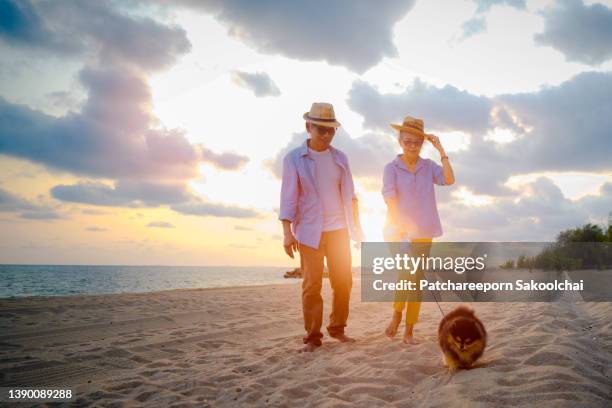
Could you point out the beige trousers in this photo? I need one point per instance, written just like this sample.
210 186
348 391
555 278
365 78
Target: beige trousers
335 247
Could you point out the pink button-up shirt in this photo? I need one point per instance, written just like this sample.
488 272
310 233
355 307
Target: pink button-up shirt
300 202
415 195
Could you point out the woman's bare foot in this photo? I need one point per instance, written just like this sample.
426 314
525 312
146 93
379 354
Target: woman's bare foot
391 330
408 335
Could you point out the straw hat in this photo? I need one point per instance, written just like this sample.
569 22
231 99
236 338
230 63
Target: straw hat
322 114
411 125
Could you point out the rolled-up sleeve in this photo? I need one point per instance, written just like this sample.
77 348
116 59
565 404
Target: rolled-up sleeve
389 186
438 174
289 190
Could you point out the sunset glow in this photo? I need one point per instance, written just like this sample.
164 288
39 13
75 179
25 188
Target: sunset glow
172 156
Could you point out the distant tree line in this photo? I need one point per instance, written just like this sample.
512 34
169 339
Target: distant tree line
587 247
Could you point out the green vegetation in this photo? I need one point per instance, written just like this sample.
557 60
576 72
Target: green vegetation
587 247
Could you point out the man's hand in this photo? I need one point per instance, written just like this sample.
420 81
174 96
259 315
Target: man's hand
290 244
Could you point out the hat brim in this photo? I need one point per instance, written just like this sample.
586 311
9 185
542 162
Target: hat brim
334 123
408 129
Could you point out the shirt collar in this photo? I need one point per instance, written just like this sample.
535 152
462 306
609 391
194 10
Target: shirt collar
304 149
400 163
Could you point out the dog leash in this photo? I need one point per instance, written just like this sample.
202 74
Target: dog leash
437 303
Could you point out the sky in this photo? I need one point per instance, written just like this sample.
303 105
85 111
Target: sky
152 132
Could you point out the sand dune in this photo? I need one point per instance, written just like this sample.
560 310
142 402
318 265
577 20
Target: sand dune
238 346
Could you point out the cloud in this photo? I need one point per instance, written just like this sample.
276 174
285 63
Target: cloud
260 83
91 211
473 26
41 215
562 128
21 24
539 213
82 28
581 33
368 153
96 229
10 202
113 136
600 204
202 208
124 193
242 228
485 5
63 100
227 161
356 34
275 165
570 125
442 108
478 23
160 224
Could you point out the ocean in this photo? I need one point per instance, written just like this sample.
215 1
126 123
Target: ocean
65 280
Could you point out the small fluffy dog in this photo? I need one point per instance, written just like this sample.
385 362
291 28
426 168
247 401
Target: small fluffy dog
462 338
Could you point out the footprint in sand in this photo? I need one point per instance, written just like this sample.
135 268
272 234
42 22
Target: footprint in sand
138 359
334 370
124 386
144 396
117 353
296 392
157 364
549 358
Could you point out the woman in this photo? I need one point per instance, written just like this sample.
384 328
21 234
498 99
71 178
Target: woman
412 213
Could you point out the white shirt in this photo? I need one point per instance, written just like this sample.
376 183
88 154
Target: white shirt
328 177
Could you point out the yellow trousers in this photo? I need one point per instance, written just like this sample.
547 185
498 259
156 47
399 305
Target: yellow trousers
402 298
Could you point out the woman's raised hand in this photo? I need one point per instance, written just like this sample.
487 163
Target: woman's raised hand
435 141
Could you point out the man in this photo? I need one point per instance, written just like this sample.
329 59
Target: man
318 205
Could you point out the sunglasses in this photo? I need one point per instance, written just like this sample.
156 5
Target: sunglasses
324 129
412 142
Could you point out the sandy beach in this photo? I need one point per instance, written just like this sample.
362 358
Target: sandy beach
239 347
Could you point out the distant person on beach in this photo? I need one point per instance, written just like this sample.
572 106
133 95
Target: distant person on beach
412 213
319 212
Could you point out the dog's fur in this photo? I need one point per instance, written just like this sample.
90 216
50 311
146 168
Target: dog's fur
462 338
